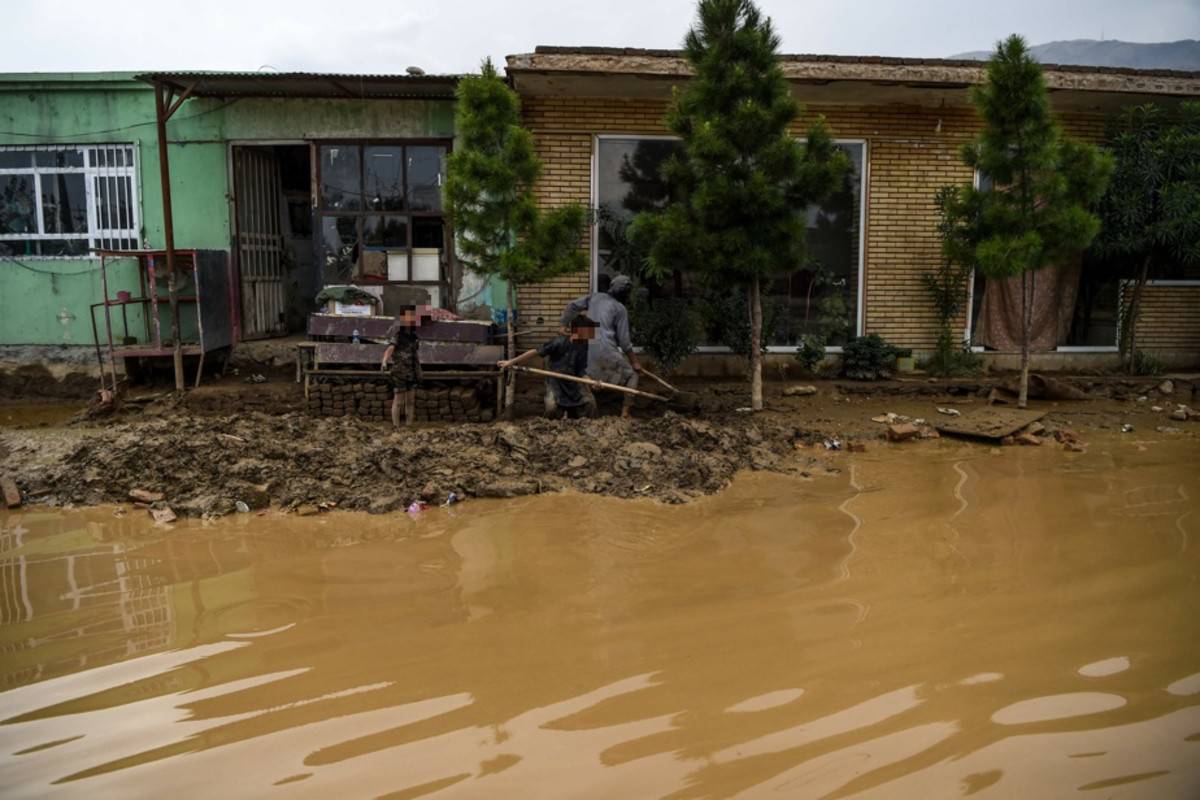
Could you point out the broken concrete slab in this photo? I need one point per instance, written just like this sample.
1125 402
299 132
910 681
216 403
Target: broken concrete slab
989 423
902 432
12 494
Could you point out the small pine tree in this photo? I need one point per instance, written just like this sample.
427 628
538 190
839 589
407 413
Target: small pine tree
1151 212
1038 212
744 180
498 226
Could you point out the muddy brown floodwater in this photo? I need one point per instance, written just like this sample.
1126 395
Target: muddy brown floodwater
1010 623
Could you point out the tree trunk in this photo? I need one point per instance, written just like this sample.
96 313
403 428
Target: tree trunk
756 394
1129 332
1026 330
510 389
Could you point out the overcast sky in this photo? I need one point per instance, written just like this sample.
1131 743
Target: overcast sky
454 35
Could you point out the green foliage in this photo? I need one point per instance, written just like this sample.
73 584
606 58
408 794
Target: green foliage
667 327
489 191
1145 363
811 352
1044 181
1151 211
948 284
870 358
742 178
725 316
832 320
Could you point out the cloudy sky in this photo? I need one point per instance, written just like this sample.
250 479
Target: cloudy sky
453 35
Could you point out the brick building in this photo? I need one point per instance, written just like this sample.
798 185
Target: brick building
597 117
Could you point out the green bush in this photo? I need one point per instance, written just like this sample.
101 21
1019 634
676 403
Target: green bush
811 352
870 358
725 315
667 328
1146 363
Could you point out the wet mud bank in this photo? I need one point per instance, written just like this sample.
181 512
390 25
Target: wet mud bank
205 465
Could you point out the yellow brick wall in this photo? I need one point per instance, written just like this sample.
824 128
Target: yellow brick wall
1169 320
910 152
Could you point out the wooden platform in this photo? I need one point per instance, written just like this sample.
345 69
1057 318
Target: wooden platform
988 423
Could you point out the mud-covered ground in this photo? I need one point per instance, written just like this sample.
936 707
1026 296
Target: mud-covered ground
205 453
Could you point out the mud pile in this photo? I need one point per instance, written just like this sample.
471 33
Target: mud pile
205 465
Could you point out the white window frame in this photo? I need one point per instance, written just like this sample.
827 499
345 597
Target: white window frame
96 235
1063 348
865 178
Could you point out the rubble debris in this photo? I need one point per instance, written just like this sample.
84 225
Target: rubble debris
799 391
12 494
950 412
989 423
1156 409
163 515
1126 428
1028 440
1168 429
1180 414
1167 387
307 510
1075 447
1035 428
145 496
902 432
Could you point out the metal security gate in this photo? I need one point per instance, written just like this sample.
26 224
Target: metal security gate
260 242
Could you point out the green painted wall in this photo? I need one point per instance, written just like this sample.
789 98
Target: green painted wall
45 301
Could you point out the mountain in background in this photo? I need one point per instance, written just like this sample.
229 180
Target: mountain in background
1183 55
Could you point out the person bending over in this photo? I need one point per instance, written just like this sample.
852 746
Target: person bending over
567 354
610 357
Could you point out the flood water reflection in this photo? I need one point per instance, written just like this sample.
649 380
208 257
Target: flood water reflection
1024 624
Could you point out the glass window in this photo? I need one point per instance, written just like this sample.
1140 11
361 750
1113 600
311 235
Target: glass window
384 171
18 204
426 166
385 233
64 203
341 179
339 244
427 232
44 200
820 296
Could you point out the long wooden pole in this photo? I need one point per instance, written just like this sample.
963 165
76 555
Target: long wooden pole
164 172
664 384
595 384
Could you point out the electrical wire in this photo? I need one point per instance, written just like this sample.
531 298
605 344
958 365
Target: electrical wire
118 130
23 265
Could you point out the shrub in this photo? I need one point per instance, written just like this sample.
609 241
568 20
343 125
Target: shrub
870 358
1146 363
811 352
668 329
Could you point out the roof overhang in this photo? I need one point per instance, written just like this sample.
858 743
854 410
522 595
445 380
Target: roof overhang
846 80
305 84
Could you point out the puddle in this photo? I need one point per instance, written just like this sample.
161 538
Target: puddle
954 623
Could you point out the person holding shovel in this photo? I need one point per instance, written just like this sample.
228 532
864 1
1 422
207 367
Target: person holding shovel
610 357
400 361
568 355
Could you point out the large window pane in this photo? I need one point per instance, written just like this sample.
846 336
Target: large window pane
341 180
385 233
58 158
425 177
821 297
64 203
339 245
18 204
384 170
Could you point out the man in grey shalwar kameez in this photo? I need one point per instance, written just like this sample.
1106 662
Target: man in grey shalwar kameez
610 355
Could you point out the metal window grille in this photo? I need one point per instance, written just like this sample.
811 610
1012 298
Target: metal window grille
61 201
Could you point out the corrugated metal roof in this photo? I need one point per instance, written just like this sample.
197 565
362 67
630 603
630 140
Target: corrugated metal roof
307 84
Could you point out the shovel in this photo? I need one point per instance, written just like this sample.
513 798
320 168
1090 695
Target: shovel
678 399
595 384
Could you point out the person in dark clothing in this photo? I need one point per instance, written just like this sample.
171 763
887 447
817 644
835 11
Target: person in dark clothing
402 370
611 357
566 354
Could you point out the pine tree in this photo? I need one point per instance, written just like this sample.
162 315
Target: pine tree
499 229
1044 182
1151 212
744 181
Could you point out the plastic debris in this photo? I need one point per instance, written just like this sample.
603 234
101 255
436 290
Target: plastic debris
417 507
242 507
833 444
451 499
1126 428
950 412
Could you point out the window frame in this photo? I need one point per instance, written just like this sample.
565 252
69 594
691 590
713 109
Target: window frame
864 195
96 235
361 214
